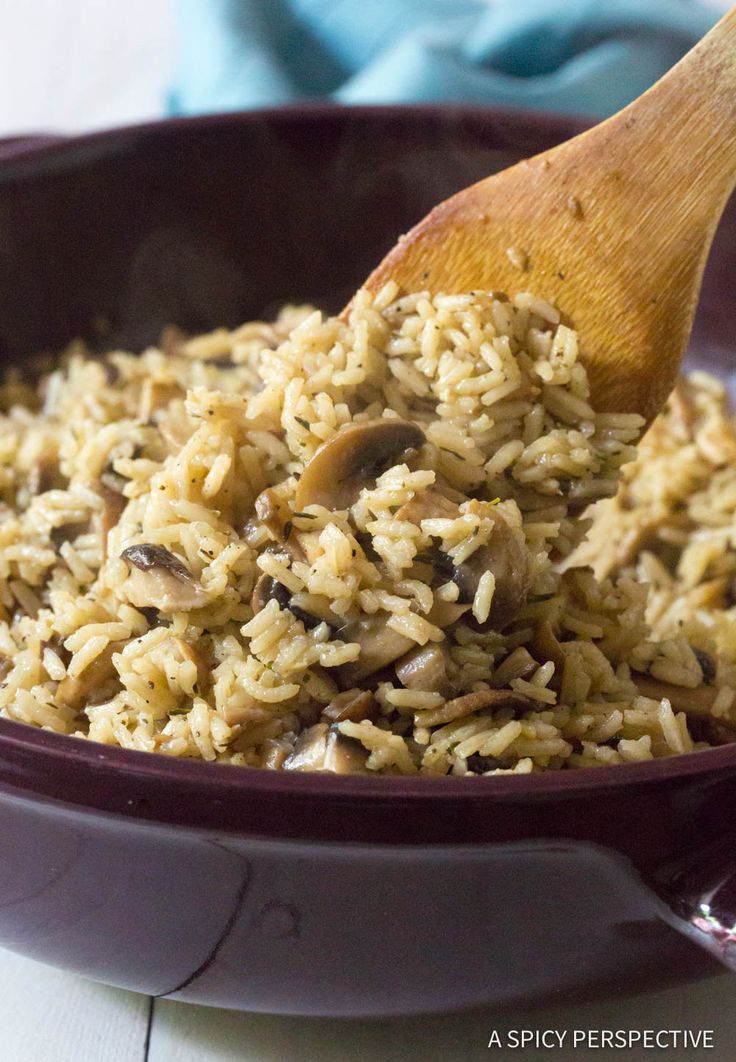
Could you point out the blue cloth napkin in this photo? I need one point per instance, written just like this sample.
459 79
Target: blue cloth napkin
586 57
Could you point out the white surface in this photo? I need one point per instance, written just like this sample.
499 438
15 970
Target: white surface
73 65
46 1014
49 1016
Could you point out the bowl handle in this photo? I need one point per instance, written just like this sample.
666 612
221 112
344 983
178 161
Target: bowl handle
702 895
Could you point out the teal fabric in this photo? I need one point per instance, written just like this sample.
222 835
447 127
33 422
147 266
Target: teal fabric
587 57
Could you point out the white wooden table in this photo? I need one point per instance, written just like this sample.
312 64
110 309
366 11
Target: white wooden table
50 1016
73 65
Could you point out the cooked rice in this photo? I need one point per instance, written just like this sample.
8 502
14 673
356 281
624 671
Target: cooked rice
165 586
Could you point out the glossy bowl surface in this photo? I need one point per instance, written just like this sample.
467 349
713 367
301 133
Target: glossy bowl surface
299 893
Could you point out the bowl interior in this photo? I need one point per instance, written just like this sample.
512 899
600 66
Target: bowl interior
214 221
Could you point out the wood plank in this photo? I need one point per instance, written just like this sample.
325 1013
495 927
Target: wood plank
183 1033
47 1015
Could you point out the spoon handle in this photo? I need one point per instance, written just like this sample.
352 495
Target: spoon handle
700 96
678 140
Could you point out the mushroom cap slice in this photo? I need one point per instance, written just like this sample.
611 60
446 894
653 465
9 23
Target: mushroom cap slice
505 555
352 459
697 705
272 512
697 702
324 748
445 613
113 505
428 505
355 705
95 684
159 580
379 645
475 701
44 472
518 664
547 646
267 589
194 655
424 668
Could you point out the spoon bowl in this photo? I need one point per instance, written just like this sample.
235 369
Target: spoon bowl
614 226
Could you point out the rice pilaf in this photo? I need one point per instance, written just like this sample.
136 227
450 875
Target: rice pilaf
350 545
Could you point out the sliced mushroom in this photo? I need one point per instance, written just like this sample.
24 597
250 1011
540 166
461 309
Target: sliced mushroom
519 664
113 504
192 653
131 448
324 748
707 665
316 606
275 752
244 710
505 556
425 668
96 684
352 459
445 613
344 755
354 705
697 705
474 702
697 702
43 473
272 512
546 646
428 505
159 580
713 731
267 589
379 645
478 764
67 532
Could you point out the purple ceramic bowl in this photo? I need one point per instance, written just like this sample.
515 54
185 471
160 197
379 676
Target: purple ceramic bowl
305 894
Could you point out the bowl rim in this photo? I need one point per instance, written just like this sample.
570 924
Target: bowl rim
41 143
52 749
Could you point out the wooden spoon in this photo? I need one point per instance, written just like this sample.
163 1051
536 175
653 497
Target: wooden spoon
614 226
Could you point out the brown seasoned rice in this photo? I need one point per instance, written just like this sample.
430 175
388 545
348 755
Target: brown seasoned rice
356 546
